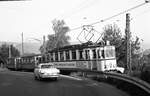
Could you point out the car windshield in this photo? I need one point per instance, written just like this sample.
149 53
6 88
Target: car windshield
46 66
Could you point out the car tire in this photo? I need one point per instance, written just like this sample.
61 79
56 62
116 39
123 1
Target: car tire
35 77
55 79
39 78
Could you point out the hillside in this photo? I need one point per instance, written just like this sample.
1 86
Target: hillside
28 47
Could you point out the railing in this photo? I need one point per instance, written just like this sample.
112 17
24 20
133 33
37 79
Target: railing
137 83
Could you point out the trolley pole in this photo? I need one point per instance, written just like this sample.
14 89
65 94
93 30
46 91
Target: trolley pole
128 40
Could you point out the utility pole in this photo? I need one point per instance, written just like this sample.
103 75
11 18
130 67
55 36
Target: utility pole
128 40
10 51
44 44
22 44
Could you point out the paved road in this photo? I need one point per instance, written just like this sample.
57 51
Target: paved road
23 84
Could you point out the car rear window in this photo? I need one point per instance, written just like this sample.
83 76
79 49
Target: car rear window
46 66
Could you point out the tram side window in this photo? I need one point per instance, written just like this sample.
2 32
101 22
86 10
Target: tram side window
73 54
51 57
61 56
94 54
98 54
25 60
81 55
28 60
103 56
16 60
56 56
19 61
42 59
22 60
87 55
67 55
48 57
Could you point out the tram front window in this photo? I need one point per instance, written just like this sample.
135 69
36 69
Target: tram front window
110 52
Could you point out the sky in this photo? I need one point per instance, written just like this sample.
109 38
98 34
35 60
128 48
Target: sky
34 18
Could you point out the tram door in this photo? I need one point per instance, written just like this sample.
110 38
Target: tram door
100 59
93 58
90 54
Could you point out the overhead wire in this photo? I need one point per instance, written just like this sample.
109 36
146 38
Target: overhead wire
141 13
130 9
83 5
103 20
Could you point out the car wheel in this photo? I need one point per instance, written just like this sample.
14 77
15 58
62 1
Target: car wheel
39 78
55 79
35 77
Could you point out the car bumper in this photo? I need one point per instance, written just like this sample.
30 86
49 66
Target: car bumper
49 76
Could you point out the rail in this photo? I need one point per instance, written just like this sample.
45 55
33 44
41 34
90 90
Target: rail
122 77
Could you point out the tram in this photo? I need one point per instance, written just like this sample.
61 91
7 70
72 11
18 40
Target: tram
100 57
23 62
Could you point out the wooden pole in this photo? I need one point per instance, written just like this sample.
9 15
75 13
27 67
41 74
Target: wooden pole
128 40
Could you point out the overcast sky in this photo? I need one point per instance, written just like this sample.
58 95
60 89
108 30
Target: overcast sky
34 18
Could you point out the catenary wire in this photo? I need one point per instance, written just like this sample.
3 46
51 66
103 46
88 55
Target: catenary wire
130 9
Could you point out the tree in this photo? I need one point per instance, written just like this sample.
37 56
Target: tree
59 39
113 33
4 52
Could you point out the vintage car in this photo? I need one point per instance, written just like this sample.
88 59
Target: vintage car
46 70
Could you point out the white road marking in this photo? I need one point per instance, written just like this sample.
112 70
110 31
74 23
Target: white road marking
93 84
75 78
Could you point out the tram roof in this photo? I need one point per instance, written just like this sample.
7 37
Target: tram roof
30 55
78 46
25 56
